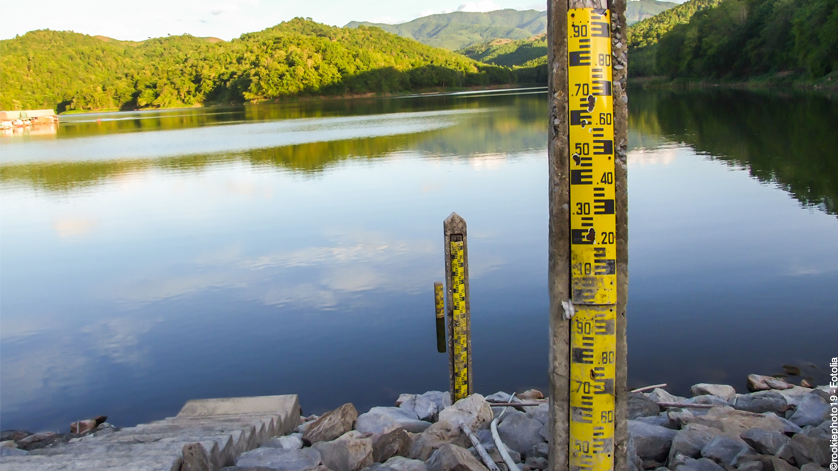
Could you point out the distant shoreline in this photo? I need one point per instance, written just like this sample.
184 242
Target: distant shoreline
423 93
773 81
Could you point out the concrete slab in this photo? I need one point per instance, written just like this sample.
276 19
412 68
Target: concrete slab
218 429
286 405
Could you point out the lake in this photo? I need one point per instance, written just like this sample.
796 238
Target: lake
148 258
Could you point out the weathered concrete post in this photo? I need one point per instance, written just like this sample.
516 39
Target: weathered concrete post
459 308
588 244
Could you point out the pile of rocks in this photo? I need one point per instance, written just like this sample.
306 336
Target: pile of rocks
21 442
777 427
421 433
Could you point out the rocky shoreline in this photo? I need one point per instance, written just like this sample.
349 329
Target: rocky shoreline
775 426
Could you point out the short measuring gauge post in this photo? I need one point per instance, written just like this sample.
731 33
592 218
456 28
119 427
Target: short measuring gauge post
439 305
459 310
593 252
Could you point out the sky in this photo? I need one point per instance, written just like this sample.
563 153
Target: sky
225 19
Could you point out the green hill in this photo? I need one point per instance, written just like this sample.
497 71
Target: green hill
649 31
748 38
639 10
459 30
508 52
71 71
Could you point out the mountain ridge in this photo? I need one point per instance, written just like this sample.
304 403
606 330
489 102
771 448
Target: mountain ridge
459 30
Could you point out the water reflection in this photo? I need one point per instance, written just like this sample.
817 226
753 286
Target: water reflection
784 139
132 284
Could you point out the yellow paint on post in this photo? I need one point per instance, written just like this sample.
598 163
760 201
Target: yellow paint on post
591 127
439 300
593 253
460 322
593 345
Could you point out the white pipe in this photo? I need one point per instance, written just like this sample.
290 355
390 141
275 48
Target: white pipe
510 463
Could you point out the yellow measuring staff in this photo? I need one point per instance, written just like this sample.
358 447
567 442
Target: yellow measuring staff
459 321
593 251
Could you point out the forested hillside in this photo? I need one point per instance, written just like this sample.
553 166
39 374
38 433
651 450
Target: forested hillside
71 71
507 52
746 38
532 52
459 30
649 31
462 29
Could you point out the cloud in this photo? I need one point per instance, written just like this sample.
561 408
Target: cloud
480 6
662 156
74 227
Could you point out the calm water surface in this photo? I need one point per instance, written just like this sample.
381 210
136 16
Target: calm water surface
154 257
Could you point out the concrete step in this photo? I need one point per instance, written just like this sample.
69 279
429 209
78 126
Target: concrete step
206 433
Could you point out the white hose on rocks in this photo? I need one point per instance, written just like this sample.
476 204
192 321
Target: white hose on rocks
510 463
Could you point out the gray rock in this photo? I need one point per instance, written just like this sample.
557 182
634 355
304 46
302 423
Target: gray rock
473 411
393 443
719 390
35 437
661 420
540 450
539 413
652 442
690 440
453 458
781 465
634 462
751 465
723 450
534 462
660 395
424 408
794 394
437 435
279 459
349 452
545 433
767 443
286 443
789 427
385 419
440 399
400 463
733 422
762 401
499 396
808 449
9 451
8 444
763 383
813 409
501 416
485 436
639 405
707 399
785 453
13 435
702 464
331 425
811 467
520 433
